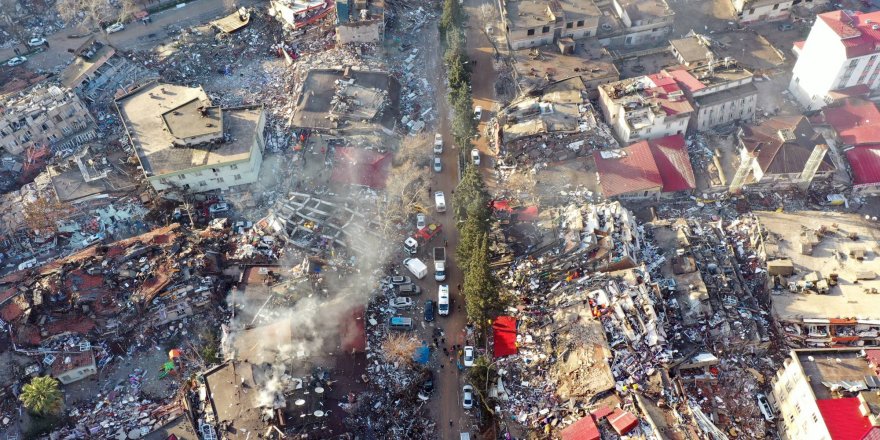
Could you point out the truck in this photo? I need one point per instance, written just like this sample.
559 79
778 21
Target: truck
439 263
416 267
420 237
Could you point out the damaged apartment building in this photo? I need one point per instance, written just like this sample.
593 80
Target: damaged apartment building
645 107
44 115
557 120
186 145
823 274
360 21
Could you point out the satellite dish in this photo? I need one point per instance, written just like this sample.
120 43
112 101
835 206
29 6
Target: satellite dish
319 413
319 390
299 402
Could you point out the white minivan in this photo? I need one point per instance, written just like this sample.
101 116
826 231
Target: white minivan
440 201
443 300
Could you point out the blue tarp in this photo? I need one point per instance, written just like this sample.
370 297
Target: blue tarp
422 354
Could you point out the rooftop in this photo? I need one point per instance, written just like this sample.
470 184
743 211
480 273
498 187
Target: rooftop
65 362
590 63
859 32
645 9
865 163
143 109
525 14
693 49
193 119
825 367
89 60
235 396
646 165
783 144
38 98
658 93
179 427
831 254
856 121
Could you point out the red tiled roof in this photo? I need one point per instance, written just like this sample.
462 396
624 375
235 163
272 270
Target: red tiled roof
843 418
856 121
799 45
673 163
622 421
13 310
357 166
646 165
865 164
872 355
667 94
583 429
635 171
856 31
686 80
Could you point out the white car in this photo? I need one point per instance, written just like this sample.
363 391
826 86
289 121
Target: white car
401 303
218 207
468 356
36 42
440 201
16 61
115 27
478 113
475 157
467 397
421 221
438 165
766 409
438 143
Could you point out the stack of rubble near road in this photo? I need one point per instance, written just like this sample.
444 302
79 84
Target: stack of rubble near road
680 333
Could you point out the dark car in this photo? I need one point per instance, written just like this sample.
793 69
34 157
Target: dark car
785 27
429 310
427 386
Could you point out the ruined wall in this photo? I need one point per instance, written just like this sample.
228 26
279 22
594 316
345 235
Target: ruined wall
369 31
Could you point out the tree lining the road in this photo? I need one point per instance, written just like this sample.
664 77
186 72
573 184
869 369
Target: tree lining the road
92 14
464 127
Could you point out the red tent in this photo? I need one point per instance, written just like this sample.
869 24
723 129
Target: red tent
505 336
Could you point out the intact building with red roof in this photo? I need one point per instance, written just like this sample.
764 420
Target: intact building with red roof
645 169
840 52
828 394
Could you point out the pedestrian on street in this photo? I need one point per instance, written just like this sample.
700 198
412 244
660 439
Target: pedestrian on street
450 422
17 52
445 243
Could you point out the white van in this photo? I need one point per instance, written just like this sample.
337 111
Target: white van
443 300
440 201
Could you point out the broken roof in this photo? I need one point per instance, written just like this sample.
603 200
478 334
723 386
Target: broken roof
865 163
318 105
357 166
142 110
233 393
783 144
70 361
558 107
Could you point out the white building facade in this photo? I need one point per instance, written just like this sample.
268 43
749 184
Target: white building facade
841 51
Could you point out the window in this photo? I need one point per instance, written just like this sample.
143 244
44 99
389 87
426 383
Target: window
751 11
569 25
219 180
203 183
198 173
215 170
57 118
776 6
545 29
163 180
815 418
530 32
233 167
238 177
181 176
580 23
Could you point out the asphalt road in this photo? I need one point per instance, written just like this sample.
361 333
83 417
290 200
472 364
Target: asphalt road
135 36
446 404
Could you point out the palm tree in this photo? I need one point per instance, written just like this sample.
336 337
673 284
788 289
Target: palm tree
42 396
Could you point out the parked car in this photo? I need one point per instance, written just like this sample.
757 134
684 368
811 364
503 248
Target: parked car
28 264
478 113
438 165
409 290
438 143
92 239
115 27
475 157
467 397
785 27
468 356
429 310
401 303
16 61
421 222
218 207
397 280
36 42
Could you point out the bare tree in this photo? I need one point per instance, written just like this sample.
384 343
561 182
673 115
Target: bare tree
9 20
43 214
408 183
399 348
91 14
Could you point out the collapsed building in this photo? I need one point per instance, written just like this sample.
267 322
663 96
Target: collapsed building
98 72
46 115
536 68
187 145
822 271
360 21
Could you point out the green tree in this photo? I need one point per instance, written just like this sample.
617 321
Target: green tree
42 396
469 235
471 196
451 16
480 287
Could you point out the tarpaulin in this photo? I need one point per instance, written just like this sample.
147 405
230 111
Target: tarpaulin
422 354
505 336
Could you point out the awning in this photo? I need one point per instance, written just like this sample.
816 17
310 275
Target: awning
505 336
